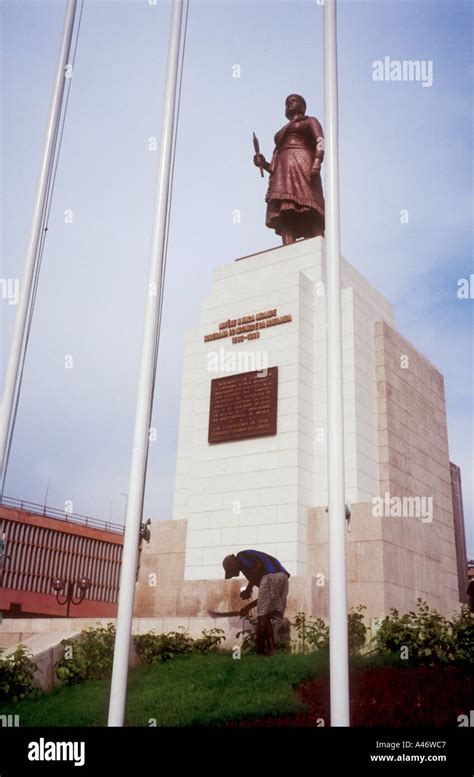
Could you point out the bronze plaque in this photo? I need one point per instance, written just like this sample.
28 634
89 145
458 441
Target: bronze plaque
243 405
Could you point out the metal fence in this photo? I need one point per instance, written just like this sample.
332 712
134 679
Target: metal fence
63 515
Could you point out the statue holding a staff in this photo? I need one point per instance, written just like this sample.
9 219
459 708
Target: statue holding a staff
295 200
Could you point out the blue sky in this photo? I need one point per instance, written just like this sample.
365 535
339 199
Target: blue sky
402 146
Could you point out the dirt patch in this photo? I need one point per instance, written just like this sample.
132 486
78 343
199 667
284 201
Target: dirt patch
389 696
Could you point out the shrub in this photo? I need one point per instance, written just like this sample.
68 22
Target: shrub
249 636
427 635
356 629
89 657
209 642
313 633
17 679
153 648
463 635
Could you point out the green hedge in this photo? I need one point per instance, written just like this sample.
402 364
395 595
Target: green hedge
426 637
17 681
90 657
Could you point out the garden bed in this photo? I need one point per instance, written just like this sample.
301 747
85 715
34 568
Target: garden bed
387 696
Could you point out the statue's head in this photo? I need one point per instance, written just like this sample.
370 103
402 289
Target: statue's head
294 104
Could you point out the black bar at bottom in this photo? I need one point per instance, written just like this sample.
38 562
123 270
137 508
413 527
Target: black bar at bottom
101 751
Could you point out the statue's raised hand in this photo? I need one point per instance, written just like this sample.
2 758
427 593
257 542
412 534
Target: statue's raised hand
259 161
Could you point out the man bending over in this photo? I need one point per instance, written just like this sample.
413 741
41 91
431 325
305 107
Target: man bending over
271 578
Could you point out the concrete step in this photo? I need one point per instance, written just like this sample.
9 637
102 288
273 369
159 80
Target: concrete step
37 644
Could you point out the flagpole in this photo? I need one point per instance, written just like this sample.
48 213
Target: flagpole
338 655
27 280
137 477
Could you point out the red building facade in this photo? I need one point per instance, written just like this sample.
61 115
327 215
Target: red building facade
39 547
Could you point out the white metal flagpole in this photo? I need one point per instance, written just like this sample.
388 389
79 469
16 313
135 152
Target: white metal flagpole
136 488
338 655
27 280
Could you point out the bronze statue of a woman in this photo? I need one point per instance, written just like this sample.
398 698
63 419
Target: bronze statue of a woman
295 201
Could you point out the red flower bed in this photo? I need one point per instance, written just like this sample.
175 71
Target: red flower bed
388 696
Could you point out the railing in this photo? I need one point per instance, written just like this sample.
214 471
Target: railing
64 515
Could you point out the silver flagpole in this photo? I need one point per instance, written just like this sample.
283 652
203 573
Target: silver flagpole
339 664
136 488
26 286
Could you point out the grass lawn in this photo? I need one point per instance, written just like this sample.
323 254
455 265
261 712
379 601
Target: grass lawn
185 691
286 690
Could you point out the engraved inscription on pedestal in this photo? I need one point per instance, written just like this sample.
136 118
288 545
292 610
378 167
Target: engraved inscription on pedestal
243 406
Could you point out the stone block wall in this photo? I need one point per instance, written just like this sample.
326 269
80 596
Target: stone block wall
419 551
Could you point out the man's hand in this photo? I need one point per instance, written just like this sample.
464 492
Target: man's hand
316 168
260 161
246 594
244 611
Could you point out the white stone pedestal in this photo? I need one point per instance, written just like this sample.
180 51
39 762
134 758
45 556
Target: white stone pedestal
256 493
